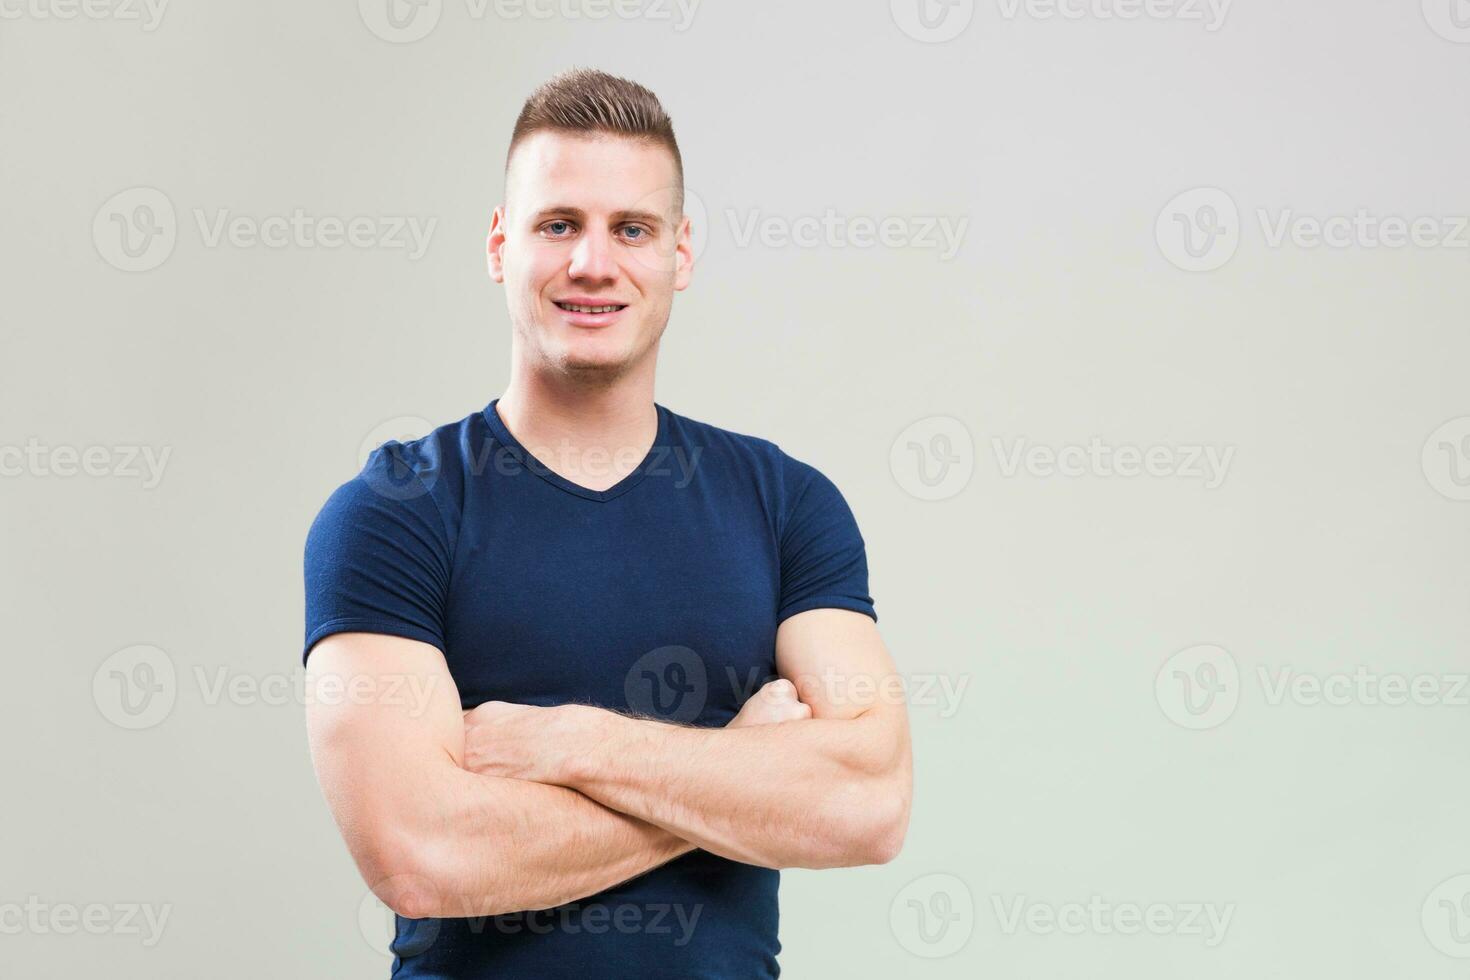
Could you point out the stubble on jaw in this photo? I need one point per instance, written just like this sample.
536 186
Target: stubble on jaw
600 375
585 375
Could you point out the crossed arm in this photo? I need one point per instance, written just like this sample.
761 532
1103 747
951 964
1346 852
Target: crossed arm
509 807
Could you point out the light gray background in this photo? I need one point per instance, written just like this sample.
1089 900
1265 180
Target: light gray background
1334 833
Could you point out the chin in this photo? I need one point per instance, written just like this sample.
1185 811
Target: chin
585 363
591 356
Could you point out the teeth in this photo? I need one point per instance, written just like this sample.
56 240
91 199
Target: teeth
588 309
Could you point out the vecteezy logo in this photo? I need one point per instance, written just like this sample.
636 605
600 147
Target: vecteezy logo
659 257
1446 458
669 683
405 474
135 230
1199 230
932 21
135 687
1450 19
1446 917
1198 687
400 21
933 916
933 458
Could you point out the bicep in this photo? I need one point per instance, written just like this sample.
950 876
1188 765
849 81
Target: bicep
383 720
839 664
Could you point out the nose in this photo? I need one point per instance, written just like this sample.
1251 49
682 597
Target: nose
592 258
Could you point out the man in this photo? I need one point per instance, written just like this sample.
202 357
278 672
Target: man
605 585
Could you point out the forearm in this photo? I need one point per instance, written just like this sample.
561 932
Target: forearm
489 845
815 793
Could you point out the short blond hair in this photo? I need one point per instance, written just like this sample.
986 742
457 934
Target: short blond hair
589 102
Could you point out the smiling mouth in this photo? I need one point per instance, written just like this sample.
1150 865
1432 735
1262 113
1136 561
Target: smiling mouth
578 308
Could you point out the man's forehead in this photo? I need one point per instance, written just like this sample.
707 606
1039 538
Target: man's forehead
603 173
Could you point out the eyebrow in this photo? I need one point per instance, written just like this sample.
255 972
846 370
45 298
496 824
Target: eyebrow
649 217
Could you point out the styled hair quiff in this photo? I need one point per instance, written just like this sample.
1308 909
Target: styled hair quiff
585 101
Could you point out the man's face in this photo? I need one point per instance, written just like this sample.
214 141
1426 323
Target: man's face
589 222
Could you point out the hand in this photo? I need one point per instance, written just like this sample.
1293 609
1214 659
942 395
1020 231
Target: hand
520 741
773 703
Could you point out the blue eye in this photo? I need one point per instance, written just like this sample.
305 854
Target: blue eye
640 231
552 225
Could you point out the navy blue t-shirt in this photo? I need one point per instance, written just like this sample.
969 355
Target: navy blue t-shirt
660 596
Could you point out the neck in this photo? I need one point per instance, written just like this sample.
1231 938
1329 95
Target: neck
591 435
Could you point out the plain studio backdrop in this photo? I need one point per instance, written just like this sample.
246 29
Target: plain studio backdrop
1134 334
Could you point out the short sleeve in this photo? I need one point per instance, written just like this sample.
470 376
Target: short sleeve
378 555
824 562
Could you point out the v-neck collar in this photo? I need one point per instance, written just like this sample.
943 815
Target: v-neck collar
524 457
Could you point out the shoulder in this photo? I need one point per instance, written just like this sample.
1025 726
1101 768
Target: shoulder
781 477
421 479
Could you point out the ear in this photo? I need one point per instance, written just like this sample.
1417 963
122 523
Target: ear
684 253
494 243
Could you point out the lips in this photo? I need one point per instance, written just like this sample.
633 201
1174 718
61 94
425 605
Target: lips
587 312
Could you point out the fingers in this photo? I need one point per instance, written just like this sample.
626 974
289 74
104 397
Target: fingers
779 690
774 702
494 708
